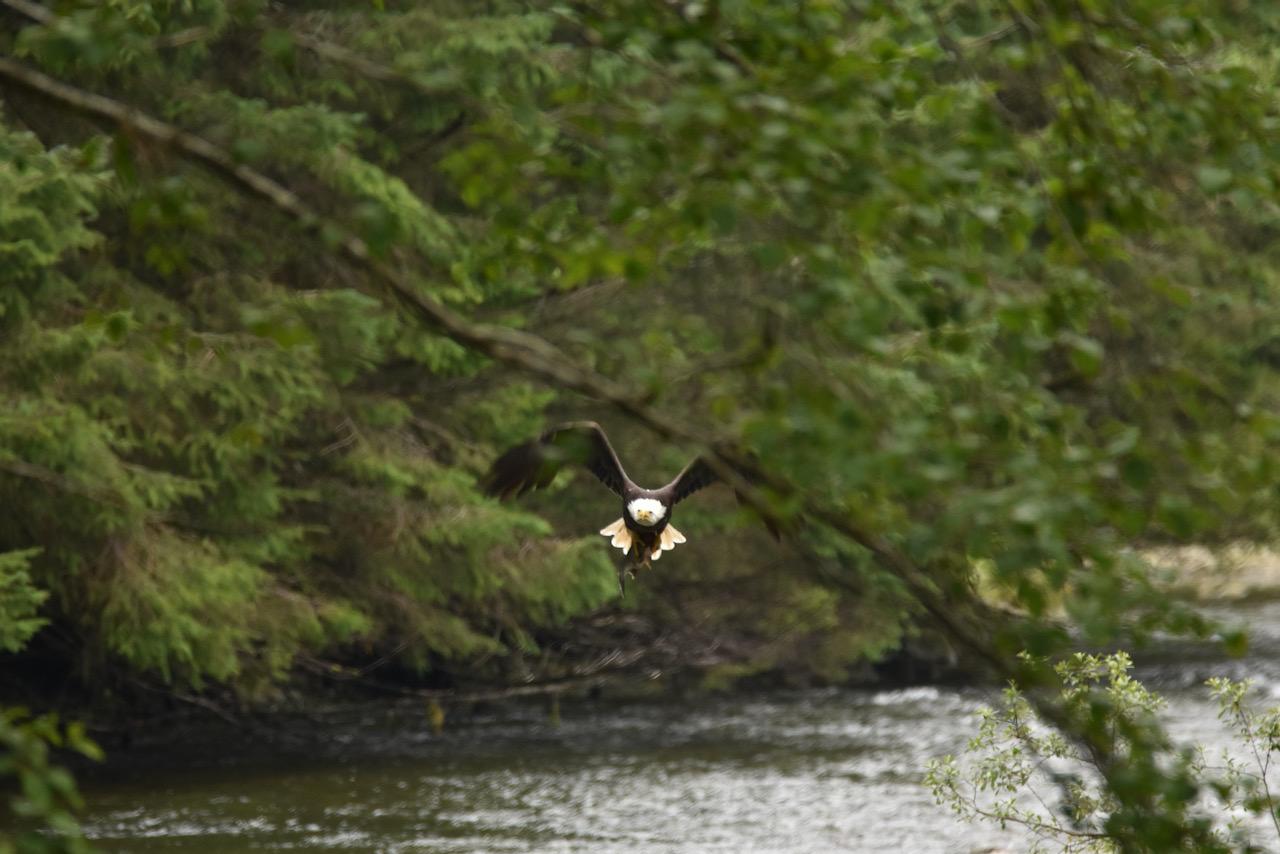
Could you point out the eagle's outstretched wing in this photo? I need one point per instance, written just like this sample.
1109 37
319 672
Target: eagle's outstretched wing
534 464
698 475
695 476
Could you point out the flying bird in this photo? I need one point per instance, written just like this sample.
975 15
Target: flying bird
645 531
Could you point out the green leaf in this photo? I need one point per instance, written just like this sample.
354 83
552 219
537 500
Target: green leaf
1213 179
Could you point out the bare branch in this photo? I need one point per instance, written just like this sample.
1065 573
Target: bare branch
365 67
190 35
59 481
558 686
34 11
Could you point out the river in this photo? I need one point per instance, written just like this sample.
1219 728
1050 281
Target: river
810 771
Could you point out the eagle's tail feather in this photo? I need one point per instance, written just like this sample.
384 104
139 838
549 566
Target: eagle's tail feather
621 538
667 540
621 535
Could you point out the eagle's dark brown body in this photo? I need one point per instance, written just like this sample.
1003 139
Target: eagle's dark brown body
648 541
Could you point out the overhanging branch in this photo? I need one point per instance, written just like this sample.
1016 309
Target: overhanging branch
34 11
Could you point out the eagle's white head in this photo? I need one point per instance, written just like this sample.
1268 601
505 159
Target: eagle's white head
646 511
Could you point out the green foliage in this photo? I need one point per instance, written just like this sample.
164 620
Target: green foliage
217 450
19 600
1018 772
41 811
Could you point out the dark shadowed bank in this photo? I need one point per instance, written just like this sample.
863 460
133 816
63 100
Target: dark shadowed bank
609 658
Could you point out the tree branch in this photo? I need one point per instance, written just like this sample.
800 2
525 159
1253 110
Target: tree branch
555 686
29 471
365 67
34 11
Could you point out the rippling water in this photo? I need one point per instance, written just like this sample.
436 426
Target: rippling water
810 771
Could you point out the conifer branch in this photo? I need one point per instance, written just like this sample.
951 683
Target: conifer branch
526 351
322 48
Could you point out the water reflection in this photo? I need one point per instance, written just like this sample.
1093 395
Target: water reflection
815 771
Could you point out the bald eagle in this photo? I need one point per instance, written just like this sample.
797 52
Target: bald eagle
645 531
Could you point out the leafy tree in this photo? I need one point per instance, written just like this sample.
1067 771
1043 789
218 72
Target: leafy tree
1017 772
982 285
19 600
41 811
